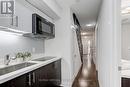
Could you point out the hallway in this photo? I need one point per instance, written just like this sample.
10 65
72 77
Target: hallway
104 17
87 76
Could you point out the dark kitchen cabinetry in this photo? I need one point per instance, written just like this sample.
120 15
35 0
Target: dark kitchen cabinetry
17 82
125 82
46 76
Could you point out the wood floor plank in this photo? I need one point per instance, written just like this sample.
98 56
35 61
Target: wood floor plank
87 76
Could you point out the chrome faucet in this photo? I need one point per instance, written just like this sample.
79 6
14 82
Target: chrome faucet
8 59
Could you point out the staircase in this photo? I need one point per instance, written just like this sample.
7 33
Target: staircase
78 32
79 39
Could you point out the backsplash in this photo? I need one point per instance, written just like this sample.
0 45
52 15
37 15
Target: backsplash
12 43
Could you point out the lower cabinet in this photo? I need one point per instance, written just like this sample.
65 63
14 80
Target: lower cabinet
17 82
125 82
46 76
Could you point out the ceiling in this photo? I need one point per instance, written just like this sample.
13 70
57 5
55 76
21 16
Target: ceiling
87 11
125 10
125 6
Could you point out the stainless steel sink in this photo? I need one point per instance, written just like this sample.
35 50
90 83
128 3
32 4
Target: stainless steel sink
14 68
43 58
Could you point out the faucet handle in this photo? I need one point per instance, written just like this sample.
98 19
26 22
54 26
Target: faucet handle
7 57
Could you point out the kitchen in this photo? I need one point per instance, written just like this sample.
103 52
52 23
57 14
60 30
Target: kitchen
17 40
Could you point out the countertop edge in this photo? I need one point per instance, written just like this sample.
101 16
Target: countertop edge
17 73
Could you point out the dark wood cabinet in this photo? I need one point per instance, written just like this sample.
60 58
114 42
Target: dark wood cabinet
46 76
17 82
49 76
125 82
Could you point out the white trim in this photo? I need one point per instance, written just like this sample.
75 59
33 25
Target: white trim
116 42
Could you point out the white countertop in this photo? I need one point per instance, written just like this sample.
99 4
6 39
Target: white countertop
125 72
14 74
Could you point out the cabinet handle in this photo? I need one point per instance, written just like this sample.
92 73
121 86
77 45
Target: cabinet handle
29 79
33 77
17 21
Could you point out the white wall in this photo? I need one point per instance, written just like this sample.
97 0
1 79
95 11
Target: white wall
64 45
11 44
108 44
61 45
76 59
126 41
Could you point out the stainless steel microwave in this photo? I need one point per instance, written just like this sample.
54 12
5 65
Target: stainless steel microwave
42 27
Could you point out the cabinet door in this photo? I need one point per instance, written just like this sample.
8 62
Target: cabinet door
57 67
17 82
55 73
6 21
5 84
125 82
41 76
24 14
49 75
52 74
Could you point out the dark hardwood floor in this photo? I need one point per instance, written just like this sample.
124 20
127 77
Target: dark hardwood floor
87 76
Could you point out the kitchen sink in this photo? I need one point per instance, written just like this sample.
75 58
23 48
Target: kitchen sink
43 58
14 68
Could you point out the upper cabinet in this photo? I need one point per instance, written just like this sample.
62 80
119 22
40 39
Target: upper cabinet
6 21
24 22
7 14
21 20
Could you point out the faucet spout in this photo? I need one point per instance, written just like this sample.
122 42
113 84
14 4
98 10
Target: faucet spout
7 59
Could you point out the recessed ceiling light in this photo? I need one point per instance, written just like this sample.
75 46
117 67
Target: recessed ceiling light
89 25
83 33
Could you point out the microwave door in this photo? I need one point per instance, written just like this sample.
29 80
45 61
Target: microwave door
39 27
46 28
